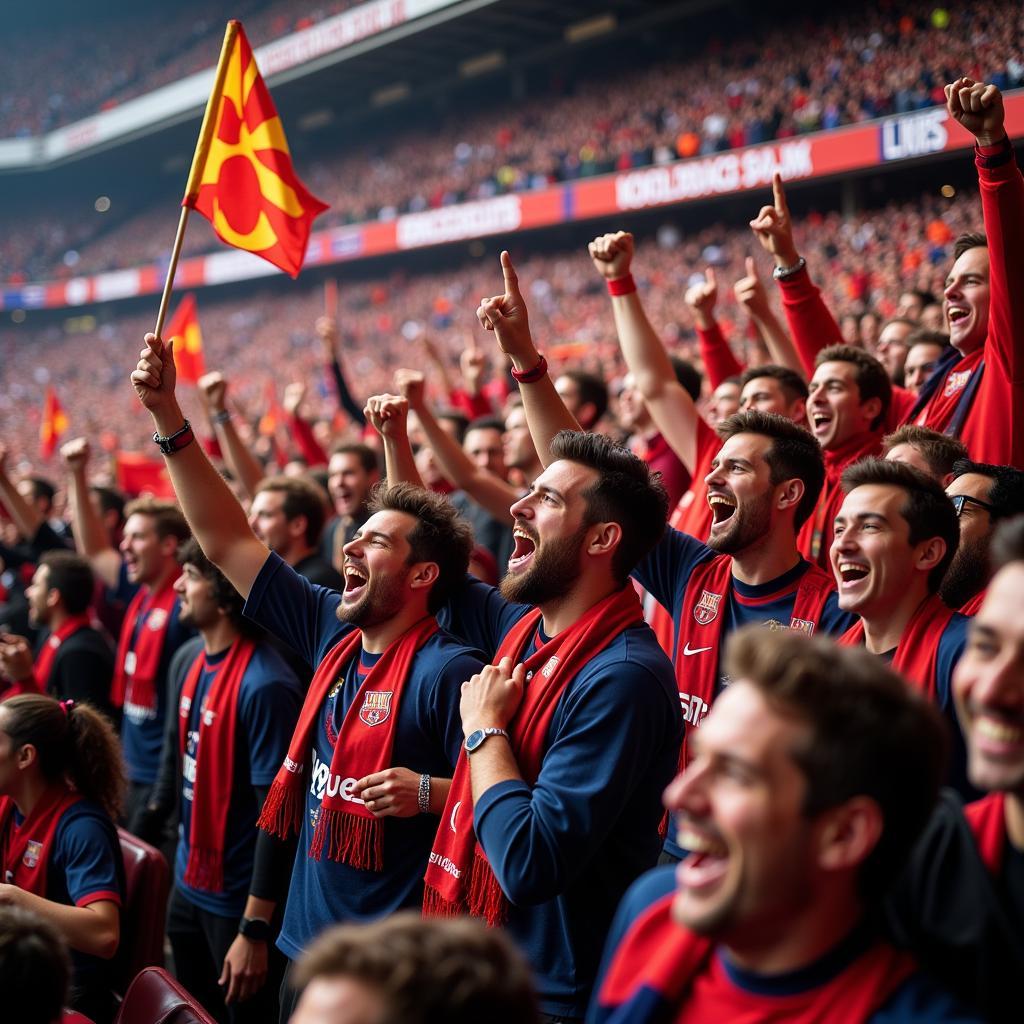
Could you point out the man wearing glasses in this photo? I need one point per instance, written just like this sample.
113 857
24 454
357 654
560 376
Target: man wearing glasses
983 496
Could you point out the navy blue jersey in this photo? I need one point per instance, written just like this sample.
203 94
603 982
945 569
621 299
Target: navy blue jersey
566 849
142 730
428 738
269 699
919 1000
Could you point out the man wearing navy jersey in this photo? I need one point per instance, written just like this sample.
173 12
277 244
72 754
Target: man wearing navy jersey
221 933
398 570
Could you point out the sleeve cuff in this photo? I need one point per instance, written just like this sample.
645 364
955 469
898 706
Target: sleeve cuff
101 895
991 157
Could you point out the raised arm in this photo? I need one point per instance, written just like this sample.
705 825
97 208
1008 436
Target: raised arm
750 292
25 518
672 409
388 415
327 332
812 324
217 520
719 361
486 489
91 537
237 456
507 316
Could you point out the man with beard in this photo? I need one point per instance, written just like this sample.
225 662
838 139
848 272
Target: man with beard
814 774
74 661
573 729
983 496
960 904
237 705
352 472
369 764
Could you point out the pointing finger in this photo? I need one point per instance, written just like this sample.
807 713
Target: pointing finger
781 206
751 266
511 280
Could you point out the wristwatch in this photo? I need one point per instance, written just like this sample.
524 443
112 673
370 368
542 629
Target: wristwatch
254 928
172 443
475 740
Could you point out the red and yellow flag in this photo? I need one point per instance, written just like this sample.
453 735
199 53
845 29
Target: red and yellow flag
188 341
54 423
242 177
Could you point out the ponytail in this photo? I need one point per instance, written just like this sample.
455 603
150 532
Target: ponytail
74 742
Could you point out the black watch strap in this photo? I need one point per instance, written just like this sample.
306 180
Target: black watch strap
254 928
176 441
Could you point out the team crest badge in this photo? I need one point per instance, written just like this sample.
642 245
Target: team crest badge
156 620
376 707
706 609
956 382
549 667
804 625
33 851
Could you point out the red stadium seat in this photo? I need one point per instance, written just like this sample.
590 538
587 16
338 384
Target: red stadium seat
154 997
147 883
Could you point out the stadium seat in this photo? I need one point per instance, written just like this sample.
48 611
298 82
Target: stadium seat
147 883
154 997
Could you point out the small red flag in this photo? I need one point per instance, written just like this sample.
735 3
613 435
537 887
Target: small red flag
273 415
54 423
188 341
248 189
140 474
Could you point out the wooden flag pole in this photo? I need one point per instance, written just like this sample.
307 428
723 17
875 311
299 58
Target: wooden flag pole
195 174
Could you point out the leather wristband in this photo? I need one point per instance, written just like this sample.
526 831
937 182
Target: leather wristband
622 285
532 375
175 442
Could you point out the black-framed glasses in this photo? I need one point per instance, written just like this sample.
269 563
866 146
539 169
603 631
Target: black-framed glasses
960 500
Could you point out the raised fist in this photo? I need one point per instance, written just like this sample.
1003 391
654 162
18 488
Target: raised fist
214 388
612 254
387 414
750 291
410 386
979 108
472 362
75 453
155 374
701 298
327 330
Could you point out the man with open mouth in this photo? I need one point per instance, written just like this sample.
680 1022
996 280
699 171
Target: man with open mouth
895 537
370 762
814 774
960 905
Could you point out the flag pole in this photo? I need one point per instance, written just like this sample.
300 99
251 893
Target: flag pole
198 166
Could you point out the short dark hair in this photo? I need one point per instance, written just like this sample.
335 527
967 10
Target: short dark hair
221 588
363 452
302 497
969 240
110 500
71 575
440 535
592 389
688 376
925 298
927 510
486 423
940 451
460 421
168 519
1007 493
1008 542
871 734
35 969
42 488
792 384
900 320
625 492
926 336
872 380
794 454
428 969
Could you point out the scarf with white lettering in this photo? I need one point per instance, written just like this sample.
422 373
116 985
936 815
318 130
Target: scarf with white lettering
344 827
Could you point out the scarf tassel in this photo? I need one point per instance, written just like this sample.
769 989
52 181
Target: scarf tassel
282 813
349 838
484 898
205 870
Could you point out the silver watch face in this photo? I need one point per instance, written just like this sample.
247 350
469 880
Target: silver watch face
474 739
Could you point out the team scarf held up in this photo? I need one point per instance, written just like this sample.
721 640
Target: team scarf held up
345 829
140 647
918 650
702 620
459 878
48 652
215 762
26 848
658 960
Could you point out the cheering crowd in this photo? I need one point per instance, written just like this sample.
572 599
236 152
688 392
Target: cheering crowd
712 709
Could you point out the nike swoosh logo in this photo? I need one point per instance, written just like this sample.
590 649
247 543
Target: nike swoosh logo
696 650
